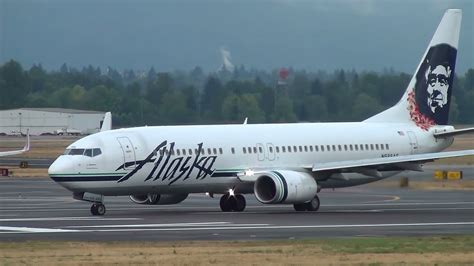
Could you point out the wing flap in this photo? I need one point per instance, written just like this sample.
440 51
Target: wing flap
396 161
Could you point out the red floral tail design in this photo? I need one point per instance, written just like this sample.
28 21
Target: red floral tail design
421 120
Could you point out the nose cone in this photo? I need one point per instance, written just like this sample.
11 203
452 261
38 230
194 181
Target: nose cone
62 166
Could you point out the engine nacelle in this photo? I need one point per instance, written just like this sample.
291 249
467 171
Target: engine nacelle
285 186
158 199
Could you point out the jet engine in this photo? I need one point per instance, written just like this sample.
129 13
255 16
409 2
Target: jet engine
285 186
158 199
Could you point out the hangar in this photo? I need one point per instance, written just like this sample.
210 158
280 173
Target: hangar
49 121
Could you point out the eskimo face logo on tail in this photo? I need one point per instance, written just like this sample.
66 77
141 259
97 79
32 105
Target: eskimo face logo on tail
430 100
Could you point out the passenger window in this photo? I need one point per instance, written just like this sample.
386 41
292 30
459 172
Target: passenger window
372 146
178 152
361 147
366 147
345 147
88 153
376 146
322 147
209 151
250 149
350 147
289 148
295 149
356 147
220 150
214 151
270 149
316 147
328 148
305 148
96 152
283 149
339 147
301 149
190 151
232 150
311 148
333 147
260 149
254 149
277 149
244 150
387 147
382 147
184 151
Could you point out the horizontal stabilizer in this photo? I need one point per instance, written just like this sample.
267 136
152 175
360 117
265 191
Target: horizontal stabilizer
395 161
454 132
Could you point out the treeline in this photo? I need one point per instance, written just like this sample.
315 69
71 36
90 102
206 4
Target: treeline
195 97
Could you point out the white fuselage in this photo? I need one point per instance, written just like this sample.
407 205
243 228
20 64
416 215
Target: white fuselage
122 168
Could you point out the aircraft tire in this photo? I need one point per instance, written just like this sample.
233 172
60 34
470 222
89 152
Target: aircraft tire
225 203
300 207
98 209
313 205
238 203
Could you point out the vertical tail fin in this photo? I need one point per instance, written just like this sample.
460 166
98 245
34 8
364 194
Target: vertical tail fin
428 96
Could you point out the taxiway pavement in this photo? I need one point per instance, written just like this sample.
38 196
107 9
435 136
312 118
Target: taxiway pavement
33 209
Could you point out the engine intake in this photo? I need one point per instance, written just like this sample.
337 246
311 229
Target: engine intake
158 199
285 187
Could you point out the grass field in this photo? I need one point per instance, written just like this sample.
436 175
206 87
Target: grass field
449 250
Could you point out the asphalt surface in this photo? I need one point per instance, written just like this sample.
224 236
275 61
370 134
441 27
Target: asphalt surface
40 209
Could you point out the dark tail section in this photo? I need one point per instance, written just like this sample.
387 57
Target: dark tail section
427 99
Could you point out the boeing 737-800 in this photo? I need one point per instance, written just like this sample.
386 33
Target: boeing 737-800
279 163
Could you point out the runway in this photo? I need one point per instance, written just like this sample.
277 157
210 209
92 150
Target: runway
40 209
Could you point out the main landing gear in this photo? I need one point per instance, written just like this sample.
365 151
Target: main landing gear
230 203
312 205
98 209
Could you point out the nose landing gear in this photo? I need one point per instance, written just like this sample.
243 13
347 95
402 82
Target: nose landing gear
230 203
98 209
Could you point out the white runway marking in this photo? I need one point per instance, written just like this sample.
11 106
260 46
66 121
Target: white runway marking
282 227
22 230
166 225
14 229
88 218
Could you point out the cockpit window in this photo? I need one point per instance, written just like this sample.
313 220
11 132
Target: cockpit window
97 152
86 152
76 152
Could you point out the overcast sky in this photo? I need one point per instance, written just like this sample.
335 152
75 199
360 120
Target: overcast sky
169 35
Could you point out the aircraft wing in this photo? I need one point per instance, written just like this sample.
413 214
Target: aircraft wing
406 162
25 149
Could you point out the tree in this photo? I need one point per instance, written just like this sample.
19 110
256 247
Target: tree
13 82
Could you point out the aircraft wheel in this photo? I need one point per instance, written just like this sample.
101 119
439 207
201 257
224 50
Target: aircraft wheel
238 203
225 203
312 205
98 209
299 207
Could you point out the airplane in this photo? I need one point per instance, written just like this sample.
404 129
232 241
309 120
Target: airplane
16 152
287 163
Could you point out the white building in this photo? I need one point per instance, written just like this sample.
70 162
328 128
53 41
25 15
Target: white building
49 120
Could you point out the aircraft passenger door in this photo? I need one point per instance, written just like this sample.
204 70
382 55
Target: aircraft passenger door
260 152
128 152
413 142
271 151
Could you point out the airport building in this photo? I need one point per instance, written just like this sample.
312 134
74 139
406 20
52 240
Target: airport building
40 121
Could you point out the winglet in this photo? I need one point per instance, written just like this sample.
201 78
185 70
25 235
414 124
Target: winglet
107 123
27 145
